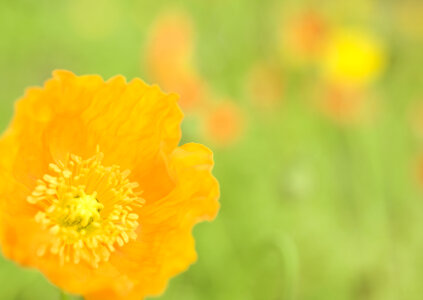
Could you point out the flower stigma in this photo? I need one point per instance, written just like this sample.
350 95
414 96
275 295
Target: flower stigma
82 211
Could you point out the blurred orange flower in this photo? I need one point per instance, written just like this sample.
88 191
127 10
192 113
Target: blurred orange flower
95 191
170 53
408 18
417 170
224 124
171 46
303 36
345 105
264 86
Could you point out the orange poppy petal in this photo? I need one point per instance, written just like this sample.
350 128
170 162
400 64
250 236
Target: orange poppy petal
166 246
58 118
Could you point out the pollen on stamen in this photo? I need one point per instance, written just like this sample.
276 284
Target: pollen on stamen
87 208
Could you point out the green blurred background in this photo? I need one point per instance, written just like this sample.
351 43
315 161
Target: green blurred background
314 110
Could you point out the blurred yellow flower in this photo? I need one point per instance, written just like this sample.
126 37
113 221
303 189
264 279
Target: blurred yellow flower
353 58
95 191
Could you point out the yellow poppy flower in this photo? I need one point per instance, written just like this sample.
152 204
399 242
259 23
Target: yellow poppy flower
95 191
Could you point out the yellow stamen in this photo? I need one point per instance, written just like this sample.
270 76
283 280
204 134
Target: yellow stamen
87 209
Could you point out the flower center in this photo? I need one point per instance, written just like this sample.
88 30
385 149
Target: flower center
86 209
82 211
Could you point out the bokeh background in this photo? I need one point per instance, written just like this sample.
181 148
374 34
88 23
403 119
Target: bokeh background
314 110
